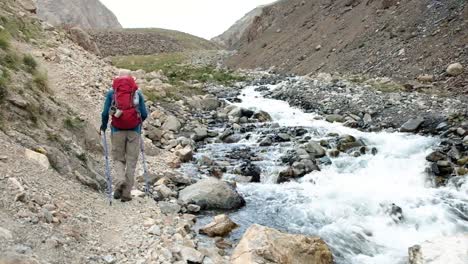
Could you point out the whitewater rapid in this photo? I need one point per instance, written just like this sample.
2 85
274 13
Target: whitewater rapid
345 203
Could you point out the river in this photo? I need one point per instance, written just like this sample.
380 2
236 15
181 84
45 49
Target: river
347 202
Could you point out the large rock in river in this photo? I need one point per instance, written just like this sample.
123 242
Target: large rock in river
412 125
212 193
266 245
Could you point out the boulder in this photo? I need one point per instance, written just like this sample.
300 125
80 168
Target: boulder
82 38
250 170
209 103
455 69
191 255
426 78
262 116
266 245
185 154
172 124
314 149
436 156
154 133
28 5
440 250
169 208
200 134
37 157
335 118
412 125
212 193
221 226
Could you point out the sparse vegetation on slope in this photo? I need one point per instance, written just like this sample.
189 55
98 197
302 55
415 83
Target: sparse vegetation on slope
147 41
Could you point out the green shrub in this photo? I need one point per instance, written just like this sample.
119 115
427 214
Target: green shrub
4 40
41 82
73 123
30 63
10 60
3 89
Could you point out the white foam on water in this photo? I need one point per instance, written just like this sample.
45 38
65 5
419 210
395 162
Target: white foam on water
345 203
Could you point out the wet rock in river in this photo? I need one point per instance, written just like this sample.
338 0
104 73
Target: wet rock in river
314 149
250 170
335 118
262 116
395 212
297 170
200 134
212 193
267 141
412 125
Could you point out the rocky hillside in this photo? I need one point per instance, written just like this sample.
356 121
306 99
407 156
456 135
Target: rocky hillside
231 37
82 13
400 39
147 41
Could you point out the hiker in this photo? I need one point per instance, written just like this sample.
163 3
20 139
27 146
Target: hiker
126 106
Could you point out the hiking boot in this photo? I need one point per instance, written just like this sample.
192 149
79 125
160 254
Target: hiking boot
125 199
117 194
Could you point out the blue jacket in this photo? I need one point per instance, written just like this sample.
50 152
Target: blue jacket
107 107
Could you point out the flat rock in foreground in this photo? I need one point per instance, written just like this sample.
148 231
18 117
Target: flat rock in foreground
266 245
212 193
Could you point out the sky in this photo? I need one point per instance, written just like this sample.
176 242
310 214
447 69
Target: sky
203 18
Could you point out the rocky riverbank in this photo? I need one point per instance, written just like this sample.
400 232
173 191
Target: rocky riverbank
367 108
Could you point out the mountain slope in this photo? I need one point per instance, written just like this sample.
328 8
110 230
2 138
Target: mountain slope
83 13
375 37
230 38
147 41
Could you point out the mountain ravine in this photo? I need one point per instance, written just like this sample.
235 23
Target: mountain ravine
243 166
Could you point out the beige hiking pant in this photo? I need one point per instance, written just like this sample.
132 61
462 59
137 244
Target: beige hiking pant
125 151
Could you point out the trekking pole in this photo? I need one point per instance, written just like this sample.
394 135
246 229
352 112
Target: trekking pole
145 169
108 173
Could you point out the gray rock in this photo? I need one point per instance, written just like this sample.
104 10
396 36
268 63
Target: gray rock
154 133
169 208
436 156
47 215
335 118
28 5
262 116
154 230
5 234
314 149
461 131
191 255
172 123
412 125
193 208
455 69
82 38
185 154
164 191
210 103
367 119
212 193
109 259
200 134
221 226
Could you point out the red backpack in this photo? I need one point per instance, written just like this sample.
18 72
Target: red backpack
126 115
